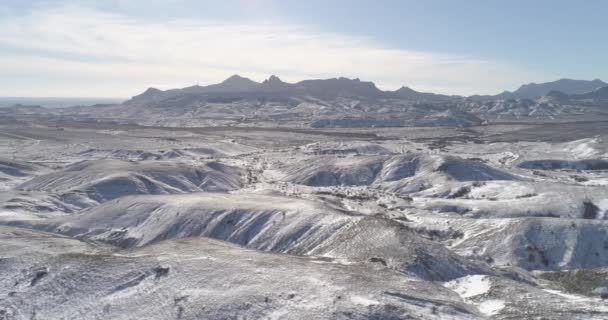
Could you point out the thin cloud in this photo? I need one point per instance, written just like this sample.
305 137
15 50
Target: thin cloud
79 46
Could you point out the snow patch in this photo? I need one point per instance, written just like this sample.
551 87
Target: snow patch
363 301
470 286
491 307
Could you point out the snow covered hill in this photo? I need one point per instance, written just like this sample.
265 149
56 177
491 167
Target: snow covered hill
402 173
201 279
268 223
90 182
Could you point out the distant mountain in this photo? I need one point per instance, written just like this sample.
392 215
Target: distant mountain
332 88
274 84
555 104
334 102
556 96
537 90
596 97
567 86
235 83
344 102
337 87
148 96
318 88
408 93
600 94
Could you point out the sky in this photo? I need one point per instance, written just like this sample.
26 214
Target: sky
118 48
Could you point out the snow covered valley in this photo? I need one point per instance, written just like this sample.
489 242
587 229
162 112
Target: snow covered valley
120 221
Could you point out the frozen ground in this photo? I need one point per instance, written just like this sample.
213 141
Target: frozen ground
119 221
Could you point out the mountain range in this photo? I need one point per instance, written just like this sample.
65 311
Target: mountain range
338 102
334 87
343 102
274 86
536 90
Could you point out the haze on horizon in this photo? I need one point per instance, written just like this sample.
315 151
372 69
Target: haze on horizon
117 48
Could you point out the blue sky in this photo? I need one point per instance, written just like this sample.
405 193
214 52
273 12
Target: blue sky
117 48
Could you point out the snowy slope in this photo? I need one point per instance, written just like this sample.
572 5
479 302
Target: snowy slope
403 173
52 277
104 180
268 223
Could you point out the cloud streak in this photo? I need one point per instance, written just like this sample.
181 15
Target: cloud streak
79 51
